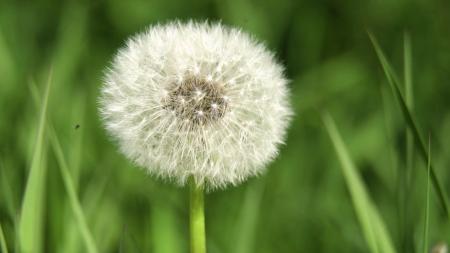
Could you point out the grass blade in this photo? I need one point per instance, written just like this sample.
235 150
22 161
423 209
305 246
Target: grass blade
3 245
72 240
70 188
427 206
411 122
371 223
68 183
407 54
409 101
31 218
404 172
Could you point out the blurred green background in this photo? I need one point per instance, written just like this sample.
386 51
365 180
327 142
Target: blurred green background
302 204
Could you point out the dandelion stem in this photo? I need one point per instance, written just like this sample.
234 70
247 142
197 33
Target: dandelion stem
197 218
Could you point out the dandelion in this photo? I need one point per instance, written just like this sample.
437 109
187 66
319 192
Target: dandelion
196 102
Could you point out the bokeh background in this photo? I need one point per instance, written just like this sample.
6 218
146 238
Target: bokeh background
302 203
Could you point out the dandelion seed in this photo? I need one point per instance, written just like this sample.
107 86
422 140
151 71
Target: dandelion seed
227 93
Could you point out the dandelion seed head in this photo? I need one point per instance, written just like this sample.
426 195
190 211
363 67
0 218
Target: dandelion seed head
196 100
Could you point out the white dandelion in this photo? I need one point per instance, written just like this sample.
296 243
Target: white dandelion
196 100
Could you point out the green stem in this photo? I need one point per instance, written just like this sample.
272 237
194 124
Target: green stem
3 247
197 218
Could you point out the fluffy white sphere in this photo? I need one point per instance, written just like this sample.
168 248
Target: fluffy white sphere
196 100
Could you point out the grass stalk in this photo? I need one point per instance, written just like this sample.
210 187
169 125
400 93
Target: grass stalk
372 225
3 246
405 173
32 213
73 198
68 181
411 123
427 205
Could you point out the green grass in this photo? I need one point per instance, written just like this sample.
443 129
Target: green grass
70 188
409 165
65 187
411 122
426 226
68 181
372 225
32 212
3 245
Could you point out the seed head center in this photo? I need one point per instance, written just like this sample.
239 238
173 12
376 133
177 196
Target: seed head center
197 100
